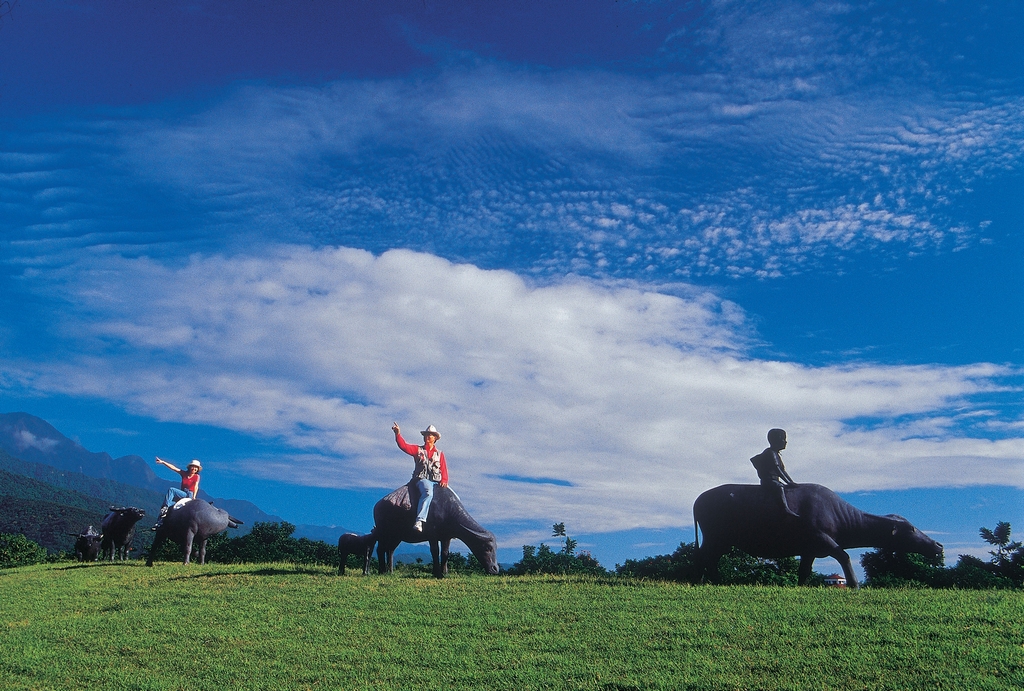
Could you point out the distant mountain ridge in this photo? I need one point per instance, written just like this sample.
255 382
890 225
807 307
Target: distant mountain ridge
32 447
106 491
33 439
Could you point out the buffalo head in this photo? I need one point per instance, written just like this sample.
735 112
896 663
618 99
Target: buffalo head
132 512
907 538
487 553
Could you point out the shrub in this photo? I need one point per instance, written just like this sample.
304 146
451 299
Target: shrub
678 566
565 561
18 550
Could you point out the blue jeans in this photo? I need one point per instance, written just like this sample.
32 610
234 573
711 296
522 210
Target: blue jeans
426 488
174 494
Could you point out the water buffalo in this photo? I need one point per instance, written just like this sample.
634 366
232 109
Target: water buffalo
747 517
394 516
87 544
118 528
350 543
190 520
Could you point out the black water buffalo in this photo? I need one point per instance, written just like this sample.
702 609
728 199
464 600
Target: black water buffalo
118 528
87 544
747 517
394 516
188 521
350 543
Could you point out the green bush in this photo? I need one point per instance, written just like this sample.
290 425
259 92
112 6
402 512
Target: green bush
18 550
735 568
886 569
678 566
565 561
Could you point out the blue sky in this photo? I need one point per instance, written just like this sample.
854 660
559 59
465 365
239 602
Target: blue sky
603 247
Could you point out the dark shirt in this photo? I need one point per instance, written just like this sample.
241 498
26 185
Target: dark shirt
769 466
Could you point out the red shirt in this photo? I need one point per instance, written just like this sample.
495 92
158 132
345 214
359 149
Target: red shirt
189 484
413 450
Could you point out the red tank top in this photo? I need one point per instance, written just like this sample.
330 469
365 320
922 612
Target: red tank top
189 483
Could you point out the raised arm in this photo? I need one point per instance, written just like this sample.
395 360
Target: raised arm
405 446
169 465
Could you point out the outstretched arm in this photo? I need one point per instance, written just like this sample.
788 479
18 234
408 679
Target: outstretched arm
165 463
405 446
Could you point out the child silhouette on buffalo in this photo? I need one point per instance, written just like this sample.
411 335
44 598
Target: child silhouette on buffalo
772 471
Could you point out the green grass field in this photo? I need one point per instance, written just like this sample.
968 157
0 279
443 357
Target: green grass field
275 626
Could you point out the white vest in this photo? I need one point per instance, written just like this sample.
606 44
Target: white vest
427 467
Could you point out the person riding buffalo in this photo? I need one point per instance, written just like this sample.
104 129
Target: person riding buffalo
772 471
430 470
189 486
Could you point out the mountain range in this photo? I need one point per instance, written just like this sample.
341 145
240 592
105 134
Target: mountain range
42 470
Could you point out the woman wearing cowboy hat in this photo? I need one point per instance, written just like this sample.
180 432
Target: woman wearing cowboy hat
431 469
189 483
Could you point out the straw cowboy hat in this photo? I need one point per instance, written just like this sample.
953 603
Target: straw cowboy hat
195 463
431 430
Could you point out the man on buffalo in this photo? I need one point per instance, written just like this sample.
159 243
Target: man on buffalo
771 470
430 469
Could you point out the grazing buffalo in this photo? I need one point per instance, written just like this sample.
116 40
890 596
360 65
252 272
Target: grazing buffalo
350 543
118 530
394 516
188 521
747 517
87 544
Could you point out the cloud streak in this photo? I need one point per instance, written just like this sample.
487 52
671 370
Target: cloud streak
600 173
617 403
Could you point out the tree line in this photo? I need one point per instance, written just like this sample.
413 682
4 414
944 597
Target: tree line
274 542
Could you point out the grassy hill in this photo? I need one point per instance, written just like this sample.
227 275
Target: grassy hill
274 626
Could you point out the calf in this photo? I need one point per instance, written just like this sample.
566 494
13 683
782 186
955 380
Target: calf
350 543
118 529
87 544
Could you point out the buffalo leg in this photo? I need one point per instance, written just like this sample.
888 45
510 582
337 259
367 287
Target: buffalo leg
445 550
189 537
367 556
843 558
202 552
342 558
806 561
435 557
157 544
840 555
386 557
708 557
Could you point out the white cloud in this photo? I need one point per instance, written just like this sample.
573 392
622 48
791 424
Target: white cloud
637 399
25 440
